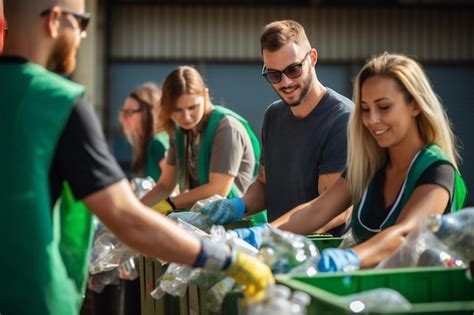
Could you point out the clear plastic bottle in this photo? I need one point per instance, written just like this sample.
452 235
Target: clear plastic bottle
456 231
438 257
278 301
285 251
299 302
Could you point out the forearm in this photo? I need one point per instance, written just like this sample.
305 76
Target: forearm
255 197
142 228
188 199
158 193
337 221
301 220
382 245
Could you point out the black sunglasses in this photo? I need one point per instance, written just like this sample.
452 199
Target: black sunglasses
292 71
81 18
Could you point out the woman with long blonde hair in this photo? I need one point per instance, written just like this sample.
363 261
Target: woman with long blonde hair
401 165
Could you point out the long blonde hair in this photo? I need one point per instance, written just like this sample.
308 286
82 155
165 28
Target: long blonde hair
364 156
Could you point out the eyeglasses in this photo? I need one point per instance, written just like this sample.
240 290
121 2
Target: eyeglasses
292 71
81 18
128 112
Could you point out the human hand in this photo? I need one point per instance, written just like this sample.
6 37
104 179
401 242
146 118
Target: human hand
225 211
252 235
250 272
335 259
165 206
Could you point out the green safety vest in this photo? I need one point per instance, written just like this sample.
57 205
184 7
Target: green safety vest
43 269
424 159
156 150
205 150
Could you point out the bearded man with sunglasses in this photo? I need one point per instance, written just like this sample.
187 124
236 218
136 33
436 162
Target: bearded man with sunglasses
303 134
53 147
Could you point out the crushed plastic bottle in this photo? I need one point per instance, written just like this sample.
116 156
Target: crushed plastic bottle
456 231
141 186
377 300
286 252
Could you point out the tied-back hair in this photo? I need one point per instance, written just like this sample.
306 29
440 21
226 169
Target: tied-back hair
183 80
277 34
147 96
364 156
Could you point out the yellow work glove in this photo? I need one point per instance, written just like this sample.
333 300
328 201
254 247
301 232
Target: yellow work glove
164 206
250 272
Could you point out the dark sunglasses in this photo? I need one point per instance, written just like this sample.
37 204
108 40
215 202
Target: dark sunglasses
81 18
292 71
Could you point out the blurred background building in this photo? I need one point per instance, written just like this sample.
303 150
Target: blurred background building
132 41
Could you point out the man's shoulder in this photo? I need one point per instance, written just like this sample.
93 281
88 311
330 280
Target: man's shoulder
51 82
338 100
275 107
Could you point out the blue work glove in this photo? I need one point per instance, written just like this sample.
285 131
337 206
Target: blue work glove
335 259
252 235
225 211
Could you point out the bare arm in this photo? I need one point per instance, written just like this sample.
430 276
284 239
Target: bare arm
255 197
219 184
164 187
311 216
424 200
140 227
324 183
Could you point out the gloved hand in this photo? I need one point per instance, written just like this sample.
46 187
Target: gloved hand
165 206
225 211
252 235
251 272
335 259
245 269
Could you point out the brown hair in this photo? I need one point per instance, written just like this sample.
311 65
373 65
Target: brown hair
148 97
279 33
181 81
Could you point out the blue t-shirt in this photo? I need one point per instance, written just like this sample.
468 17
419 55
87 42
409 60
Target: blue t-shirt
296 151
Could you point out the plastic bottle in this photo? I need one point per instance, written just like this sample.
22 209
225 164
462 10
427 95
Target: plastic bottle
299 302
456 231
217 294
438 257
285 251
278 301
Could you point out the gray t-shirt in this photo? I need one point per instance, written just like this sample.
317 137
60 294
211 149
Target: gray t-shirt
232 154
296 151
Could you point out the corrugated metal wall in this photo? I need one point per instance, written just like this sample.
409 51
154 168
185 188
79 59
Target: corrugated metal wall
232 33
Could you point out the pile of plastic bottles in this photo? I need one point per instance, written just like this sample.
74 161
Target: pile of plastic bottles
444 241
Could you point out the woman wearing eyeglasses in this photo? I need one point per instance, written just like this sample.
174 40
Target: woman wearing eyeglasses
402 165
139 119
212 149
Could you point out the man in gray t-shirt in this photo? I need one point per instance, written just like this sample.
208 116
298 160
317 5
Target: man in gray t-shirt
298 151
303 134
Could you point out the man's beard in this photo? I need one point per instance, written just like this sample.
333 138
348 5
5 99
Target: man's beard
63 58
304 92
